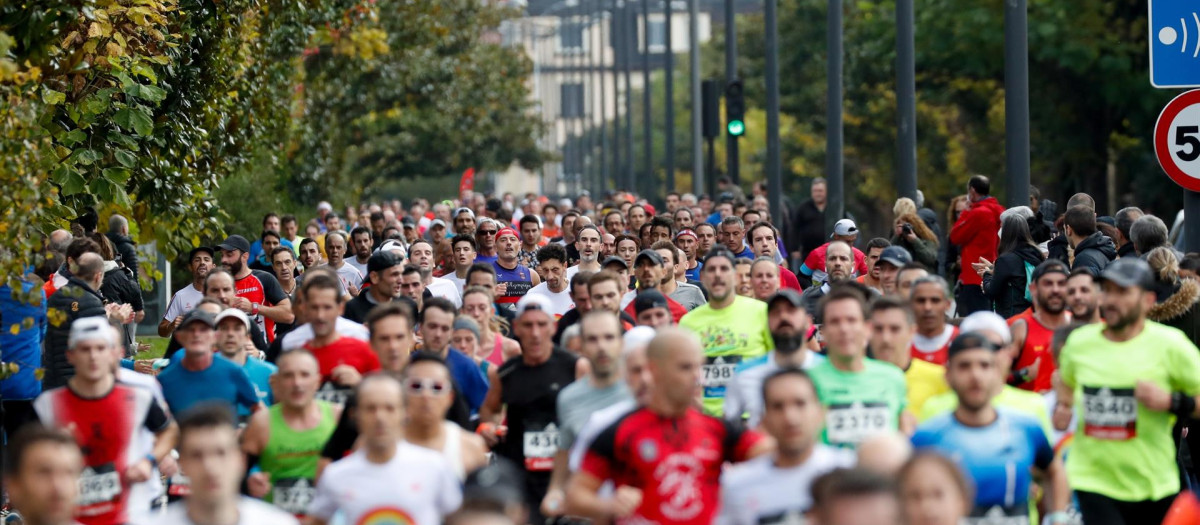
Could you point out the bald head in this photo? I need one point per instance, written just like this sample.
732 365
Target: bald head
59 240
90 267
671 342
884 453
675 361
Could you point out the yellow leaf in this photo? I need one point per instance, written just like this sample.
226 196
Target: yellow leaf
70 39
114 49
14 329
39 373
94 30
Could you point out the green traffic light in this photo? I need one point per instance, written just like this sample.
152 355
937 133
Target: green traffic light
736 128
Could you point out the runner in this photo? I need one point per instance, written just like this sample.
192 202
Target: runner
892 327
428 397
789 324
464 221
814 263
412 286
384 269
200 262
732 328
1083 296
485 235
602 388
552 263
706 238
42 475
651 308
764 278
479 304
931 301
731 233
776 488
200 375
855 496
665 459
872 279
335 247
363 243
1001 451
233 342
464 249
688 295
437 326
891 260
530 227
588 244
839 263
650 269
1131 377
343 360
523 393
283 264
208 452
105 417
421 255
285 441
1033 329
687 241
259 294
365 485
934 490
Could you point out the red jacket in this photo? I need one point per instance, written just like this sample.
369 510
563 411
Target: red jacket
977 233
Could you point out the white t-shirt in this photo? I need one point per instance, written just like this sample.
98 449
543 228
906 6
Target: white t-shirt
250 512
304 333
349 275
933 344
759 492
442 287
416 486
183 301
460 283
142 495
362 268
561 301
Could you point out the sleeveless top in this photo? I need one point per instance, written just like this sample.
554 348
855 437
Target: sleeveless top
497 355
1037 345
519 280
291 456
452 449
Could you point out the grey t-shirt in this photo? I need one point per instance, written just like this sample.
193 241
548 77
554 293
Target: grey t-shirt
578 401
688 295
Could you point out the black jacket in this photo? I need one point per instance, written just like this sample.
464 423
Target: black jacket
1094 253
1126 250
808 229
75 300
127 251
120 288
1007 283
1059 249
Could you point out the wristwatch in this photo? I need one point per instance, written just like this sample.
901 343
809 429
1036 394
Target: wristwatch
1058 517
254 308
153 460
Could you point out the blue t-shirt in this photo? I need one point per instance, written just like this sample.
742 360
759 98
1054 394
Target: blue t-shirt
222 381
694 273
24 346
746 253
258 371
489 259
469 377
996 457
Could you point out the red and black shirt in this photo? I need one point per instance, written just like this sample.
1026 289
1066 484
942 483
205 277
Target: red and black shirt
262 288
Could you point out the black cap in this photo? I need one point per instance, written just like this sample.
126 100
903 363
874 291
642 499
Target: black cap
494 205
971 341
207 249
1049 266
719 251
613 259
1128 272
407 221
383 260
896 256
235 242
649 298
198 315
501 482
654 257
786 294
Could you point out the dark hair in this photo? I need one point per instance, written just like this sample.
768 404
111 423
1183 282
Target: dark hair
420 241
696 228
548 206
980 184
80 246
552 252
1014 233
1125 217
589 226
271 233
425 357
282 249
849 290
1081 219
667 245
580 279
605 275
205 416
1060 336
359 230
482 267
849 482
410 269
438 303
29 436
625 237
268 216
1191 262
289 218
463 237
376 216
760 224
884 303
529 217
390 309
1034 192
878 242
1082 270
309 240
321 281
784 373
659 221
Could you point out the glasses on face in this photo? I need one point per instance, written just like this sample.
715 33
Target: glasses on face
421 386
486 232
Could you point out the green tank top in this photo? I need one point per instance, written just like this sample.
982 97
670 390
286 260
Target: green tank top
291 456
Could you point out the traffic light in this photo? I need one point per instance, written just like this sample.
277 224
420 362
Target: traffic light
735 108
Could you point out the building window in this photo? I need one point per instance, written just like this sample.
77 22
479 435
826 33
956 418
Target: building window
571 100
657 36
570 37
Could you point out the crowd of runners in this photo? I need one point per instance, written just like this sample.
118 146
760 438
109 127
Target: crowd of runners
496 360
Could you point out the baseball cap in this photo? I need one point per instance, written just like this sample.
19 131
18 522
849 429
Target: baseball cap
970 341
647 299
1128 272
507 231
987 322
534 302
235 242
844 227
494 205
654 257
382 260
686 232
719 251
895 255
613 259
234 313
465 210
786 294
91 329
1049 266
208 249
407 221
324 206
198 315
638 336
437 222
463 322
393 245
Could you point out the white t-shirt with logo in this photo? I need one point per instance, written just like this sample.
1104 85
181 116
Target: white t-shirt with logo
183 302
250 512
442 287
561 301
416 486
758 491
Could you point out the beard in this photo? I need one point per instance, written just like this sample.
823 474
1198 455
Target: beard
788 343
1121 321
236 267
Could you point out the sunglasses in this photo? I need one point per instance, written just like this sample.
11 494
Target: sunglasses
486 232
432 386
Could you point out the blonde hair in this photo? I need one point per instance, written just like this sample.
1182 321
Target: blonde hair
1164 263
904 206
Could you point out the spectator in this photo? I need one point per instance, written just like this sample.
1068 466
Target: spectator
1058 247
119 287
928 215
25 323
808 225
78 299
1093 250
1189 267
118 233
910 232
1147 233
951 264
973 235
1006 280
1125 218
1177 301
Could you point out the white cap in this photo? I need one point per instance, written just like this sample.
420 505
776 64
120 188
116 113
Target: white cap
638 337
91 329
324 206
394 246
844 227
534 302
987 322
235 313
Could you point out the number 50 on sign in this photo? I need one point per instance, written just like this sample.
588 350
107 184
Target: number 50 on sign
1177 140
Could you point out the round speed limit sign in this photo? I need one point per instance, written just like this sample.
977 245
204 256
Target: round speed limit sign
1177 140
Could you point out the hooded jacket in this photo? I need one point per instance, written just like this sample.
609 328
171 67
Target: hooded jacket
1180 309
1094 253
1007 282
975 234
127 251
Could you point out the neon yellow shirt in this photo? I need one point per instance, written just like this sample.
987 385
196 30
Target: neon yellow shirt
1122 449
1012 398
925 380
729 336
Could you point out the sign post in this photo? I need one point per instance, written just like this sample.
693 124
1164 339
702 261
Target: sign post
1177 146
1175 63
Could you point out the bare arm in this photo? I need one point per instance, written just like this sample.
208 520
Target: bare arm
280 313
1058 491
552 503
164 441
167 326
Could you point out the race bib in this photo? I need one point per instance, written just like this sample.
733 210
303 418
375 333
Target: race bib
1109 413
179 486
293 495
998 515
540 447
333 394
851 423
718 372
99 484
